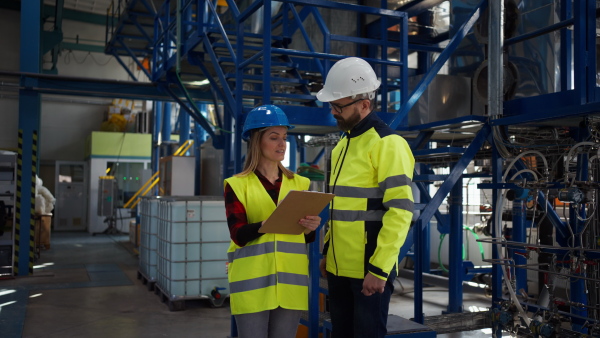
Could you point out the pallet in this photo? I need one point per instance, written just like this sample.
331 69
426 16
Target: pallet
150 283
179 303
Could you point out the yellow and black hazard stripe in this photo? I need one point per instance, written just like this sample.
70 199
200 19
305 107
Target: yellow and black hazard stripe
20 192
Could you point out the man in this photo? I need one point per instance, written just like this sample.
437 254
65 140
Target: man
371 176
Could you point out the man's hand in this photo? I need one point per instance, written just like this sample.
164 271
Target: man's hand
372 284
322 267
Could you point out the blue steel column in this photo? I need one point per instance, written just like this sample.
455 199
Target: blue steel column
302 152
158 107
29 126
314 258
426 235
519 234
198 140
227 172
418 251
166 126
565 53
455 292
266 52
237 145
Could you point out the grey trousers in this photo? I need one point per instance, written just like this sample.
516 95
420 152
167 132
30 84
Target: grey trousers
277 323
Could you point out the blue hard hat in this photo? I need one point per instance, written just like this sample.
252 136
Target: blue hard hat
265 116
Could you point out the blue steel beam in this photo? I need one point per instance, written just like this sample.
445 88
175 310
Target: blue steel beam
421 140
231 4
135 59
221 92
62 85
118 58
318 157
437 65
455 174
251 9
221 30
228 96
192 112
426 198
298 21
530 35
434 203
349 7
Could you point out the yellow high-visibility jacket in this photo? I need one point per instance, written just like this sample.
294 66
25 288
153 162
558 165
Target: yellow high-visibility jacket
371 176
272 270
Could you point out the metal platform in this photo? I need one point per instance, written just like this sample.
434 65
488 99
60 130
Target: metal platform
396 326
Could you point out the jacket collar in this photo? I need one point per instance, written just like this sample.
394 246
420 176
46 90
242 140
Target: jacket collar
365 124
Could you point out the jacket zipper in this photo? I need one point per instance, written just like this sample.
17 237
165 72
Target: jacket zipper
332 202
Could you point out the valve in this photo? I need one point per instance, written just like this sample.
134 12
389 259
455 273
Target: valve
215 292
517 194
570 195
502 317
540 329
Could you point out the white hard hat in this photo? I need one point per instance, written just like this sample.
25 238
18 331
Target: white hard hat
348 77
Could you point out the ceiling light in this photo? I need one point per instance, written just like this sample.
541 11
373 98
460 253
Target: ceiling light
198 83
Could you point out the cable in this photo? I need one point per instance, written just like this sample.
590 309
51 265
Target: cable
67 58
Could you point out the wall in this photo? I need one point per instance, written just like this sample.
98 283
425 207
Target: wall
65 120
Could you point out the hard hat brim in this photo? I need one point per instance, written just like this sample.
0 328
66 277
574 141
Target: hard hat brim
325 96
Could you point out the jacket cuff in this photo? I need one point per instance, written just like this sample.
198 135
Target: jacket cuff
377 272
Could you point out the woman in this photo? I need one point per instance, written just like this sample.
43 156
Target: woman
268 273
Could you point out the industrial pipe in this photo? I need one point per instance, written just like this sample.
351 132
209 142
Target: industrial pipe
442 281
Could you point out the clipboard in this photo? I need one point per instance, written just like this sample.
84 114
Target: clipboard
295 206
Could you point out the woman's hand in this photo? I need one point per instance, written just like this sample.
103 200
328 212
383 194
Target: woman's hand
311 223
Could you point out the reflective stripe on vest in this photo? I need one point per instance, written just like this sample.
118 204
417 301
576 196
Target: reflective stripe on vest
270 280
265 248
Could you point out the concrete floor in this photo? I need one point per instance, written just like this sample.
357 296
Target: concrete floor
87 286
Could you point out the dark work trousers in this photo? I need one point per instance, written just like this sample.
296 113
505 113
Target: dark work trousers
354 315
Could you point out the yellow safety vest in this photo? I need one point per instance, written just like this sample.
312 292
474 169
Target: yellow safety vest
272 270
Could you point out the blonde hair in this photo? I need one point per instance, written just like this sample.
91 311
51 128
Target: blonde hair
254 155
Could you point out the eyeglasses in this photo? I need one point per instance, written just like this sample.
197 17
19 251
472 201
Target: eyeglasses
338 108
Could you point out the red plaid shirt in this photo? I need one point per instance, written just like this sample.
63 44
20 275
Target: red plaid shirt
240 231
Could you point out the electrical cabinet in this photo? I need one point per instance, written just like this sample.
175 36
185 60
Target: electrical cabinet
177 177
8 175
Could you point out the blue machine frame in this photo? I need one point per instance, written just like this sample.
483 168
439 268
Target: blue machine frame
191 31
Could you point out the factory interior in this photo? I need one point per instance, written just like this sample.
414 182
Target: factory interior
120 119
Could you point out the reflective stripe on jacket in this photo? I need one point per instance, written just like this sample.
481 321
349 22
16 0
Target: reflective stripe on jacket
371 177
272 270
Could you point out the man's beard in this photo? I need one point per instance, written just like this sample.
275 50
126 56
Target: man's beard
349 123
